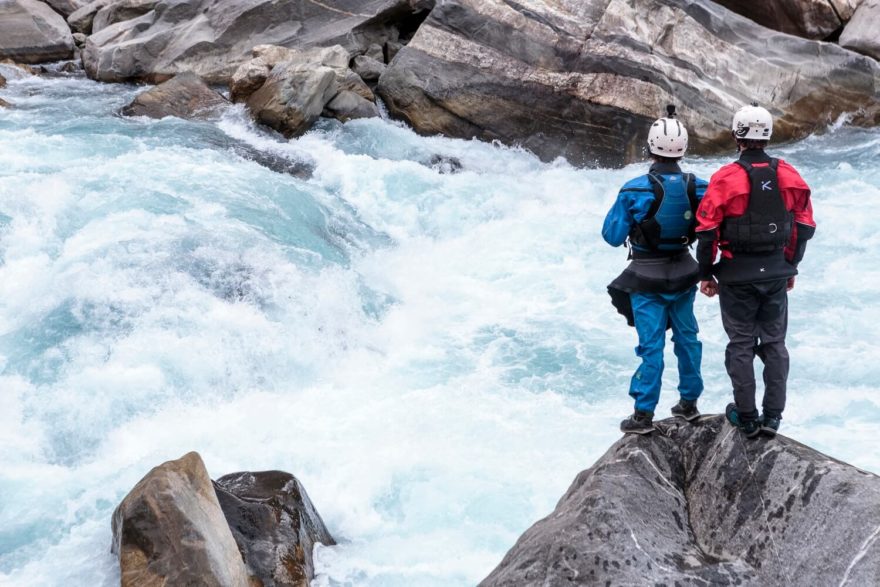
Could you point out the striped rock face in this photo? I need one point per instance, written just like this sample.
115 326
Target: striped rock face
584 79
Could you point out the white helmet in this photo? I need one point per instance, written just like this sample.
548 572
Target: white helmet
668 137
752 122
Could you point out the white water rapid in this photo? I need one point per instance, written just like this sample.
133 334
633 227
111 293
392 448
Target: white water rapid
433 354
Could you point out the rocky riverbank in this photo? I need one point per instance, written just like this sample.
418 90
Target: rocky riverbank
573 78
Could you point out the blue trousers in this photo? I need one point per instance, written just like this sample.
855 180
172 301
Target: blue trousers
653 312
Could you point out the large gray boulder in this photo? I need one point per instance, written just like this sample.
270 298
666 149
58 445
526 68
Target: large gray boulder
81 20
701 505
811 19
31 32
862 34
170 530
212 37
184 96
274 524
584 78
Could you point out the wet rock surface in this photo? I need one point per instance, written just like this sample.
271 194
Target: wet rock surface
700 504
584 78
274 524
170 530
31 32
184 96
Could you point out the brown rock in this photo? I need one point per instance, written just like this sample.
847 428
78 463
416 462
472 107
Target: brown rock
274 524
170 530
184 96
2 82
4 104
293 97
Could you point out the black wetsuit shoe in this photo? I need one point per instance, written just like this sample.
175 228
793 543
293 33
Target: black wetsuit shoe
751 428
686 409
639 423
770 425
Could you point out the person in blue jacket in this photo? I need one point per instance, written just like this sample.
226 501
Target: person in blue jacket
656 213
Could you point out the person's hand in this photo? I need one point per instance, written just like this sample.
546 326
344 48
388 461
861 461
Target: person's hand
790 285
709 288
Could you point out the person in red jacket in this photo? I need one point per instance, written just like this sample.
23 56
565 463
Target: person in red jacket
757 212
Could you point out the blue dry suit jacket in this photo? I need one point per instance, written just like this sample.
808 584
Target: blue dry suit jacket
634 200
671 272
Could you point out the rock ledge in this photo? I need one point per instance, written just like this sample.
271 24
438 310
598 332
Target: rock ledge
702 505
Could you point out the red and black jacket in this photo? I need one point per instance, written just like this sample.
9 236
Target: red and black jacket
759 240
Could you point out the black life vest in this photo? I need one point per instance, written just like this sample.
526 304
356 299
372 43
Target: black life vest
669 226
766 225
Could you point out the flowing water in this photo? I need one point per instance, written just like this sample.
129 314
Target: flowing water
433 354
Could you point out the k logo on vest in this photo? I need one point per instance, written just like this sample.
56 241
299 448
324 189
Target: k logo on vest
766 187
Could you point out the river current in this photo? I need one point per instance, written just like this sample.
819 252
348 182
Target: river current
431 350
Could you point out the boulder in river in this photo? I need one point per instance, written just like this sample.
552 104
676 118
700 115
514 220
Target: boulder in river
294 87
213 38
185 96
170 530
80 20
584 79
4 104
274 524
862 34
31 32
700 504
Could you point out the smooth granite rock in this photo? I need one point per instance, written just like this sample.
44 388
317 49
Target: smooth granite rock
31 32
120 11
170 530
66 7
184 96
702 505
862 34
274 524
811 19
213 38
584 79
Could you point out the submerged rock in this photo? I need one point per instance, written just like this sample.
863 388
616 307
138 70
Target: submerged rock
4 104
700 504
213 38
2 82
274 524
184 96
862 34
31 32
584 79
170 530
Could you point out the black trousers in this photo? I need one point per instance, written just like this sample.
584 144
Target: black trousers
755 317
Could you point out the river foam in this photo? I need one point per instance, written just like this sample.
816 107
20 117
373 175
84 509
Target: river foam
433 354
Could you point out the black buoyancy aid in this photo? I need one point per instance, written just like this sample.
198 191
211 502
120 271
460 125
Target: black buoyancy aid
766 225
669 226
